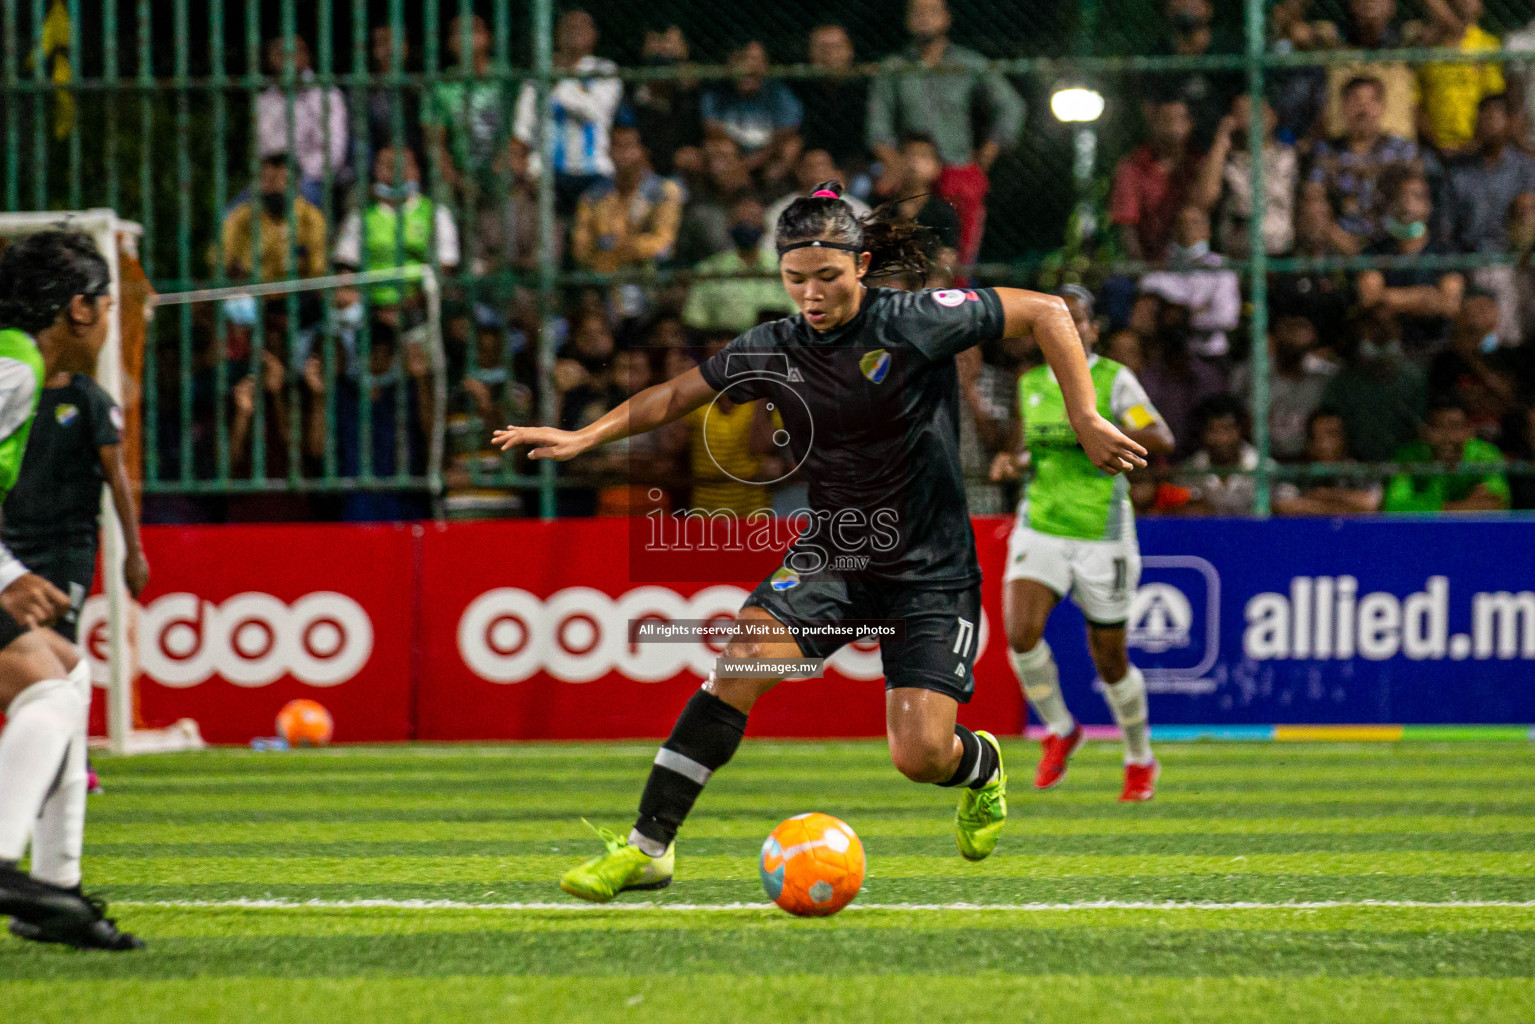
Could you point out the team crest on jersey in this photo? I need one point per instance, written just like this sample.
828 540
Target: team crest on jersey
875 365
949 297
784 579
65 413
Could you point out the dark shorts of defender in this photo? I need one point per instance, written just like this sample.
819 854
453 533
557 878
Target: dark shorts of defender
68 565
942 626
10 629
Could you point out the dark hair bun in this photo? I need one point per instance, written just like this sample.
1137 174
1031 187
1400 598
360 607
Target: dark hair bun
833 186
41 273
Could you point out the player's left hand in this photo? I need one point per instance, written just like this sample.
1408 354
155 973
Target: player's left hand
136 572
33 601
1110 450
547 442
1004 466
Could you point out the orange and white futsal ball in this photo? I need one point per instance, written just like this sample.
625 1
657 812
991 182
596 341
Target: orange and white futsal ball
812 865
305 723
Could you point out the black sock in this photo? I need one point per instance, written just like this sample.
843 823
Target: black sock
977 763
705 737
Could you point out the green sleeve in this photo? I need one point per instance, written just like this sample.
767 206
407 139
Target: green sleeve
1496 483
697 311
1402 495
1407 493
434 110
21 386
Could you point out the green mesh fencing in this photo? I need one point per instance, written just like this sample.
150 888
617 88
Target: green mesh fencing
153 109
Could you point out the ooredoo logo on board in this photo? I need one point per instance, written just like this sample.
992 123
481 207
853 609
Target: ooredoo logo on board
250 639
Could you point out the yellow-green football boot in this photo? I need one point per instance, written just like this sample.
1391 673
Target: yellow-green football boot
982 812
622 868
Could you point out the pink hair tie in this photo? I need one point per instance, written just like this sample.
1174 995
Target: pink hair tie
824 193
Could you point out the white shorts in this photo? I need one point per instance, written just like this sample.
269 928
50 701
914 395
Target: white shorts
1100 575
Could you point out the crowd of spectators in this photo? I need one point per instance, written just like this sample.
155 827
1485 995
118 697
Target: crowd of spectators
1413 364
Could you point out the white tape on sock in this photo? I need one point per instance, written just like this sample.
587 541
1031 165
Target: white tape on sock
1040 679
80 675
39 725
1127 700
59 837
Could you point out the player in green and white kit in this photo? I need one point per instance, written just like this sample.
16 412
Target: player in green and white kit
1076 532
55 301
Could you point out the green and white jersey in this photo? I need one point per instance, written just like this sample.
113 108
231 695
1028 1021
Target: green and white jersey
1068 496
21 385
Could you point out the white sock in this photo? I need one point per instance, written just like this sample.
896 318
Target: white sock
649 846
1127 699
1041 682
60 833
39 725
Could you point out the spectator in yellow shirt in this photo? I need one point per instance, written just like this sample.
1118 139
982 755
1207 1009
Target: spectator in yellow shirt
271 202
627 223
630 221
1451 92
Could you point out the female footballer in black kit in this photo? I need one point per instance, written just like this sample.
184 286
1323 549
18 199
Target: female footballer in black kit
866 383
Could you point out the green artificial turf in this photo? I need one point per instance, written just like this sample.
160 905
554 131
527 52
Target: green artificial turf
1359 883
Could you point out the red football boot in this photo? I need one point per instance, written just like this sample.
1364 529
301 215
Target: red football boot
1140 782
1052 762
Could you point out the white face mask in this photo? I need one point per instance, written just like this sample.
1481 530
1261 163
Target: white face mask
240 310
348 317
1184 255
403 192
1371 350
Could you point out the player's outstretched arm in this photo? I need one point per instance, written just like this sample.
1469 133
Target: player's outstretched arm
135 565
1048 319
654 407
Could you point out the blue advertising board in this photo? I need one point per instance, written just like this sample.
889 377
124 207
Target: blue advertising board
1381 620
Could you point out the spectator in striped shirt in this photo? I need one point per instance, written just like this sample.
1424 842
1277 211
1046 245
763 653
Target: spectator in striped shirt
583 105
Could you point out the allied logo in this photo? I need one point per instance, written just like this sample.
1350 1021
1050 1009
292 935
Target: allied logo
875 365
949 297
65 413
784 579
1160 618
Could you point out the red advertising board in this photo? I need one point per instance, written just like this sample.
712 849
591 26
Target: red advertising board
238 620
471 631
524 636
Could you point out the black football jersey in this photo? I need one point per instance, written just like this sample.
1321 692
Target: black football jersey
870 419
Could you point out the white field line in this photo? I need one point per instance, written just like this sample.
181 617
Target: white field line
389 904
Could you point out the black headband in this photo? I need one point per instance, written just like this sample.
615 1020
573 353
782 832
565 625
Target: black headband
819 244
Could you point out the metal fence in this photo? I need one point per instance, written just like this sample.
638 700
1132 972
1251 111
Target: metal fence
152 108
